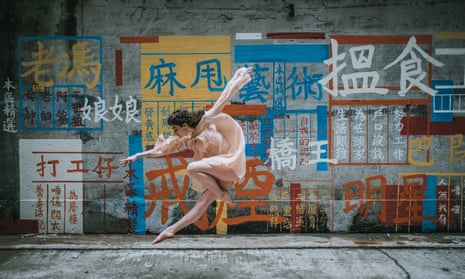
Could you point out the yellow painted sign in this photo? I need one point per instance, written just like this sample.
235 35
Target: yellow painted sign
180 72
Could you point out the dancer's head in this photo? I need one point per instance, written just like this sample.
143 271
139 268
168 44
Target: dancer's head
183 122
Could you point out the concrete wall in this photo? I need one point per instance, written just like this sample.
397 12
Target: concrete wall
354 119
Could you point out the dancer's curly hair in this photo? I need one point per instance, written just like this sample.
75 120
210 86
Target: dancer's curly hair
179 117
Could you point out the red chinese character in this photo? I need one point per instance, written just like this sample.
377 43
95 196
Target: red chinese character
263 190
102 167
78 168
412 197
56 226
43 164
72 206
130 173
56 190
39 191
73 219
130 208
130 190
179 191
55 214
73 195
55 201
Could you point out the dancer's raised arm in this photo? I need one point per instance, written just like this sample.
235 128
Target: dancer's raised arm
240 78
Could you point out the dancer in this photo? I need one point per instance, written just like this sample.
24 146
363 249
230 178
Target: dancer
219 152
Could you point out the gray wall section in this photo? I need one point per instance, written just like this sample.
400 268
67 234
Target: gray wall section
106 204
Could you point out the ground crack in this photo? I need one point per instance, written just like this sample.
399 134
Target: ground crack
396 262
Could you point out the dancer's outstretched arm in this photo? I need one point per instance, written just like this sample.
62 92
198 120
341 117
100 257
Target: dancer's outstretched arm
163 147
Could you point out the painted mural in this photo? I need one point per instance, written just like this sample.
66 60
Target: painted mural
368 105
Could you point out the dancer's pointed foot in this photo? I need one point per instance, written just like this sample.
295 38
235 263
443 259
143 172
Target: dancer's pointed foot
162 236
228 200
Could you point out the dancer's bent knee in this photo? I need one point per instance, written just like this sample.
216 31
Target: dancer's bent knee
197 167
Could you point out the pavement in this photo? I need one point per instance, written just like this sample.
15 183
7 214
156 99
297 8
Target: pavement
361 255
232 242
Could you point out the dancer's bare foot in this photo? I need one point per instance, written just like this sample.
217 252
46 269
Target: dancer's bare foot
227 199
162 236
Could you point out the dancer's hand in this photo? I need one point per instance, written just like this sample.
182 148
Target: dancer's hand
241 77
127 160
241 72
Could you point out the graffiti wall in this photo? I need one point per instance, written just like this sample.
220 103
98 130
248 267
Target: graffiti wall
344 131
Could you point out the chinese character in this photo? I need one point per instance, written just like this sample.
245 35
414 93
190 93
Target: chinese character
411 69
283 154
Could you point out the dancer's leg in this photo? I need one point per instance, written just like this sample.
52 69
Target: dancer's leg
208 175
217 171
193 215
213 185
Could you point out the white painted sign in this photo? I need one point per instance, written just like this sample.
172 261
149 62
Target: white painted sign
51 177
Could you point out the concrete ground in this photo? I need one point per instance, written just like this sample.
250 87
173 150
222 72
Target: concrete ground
234 256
